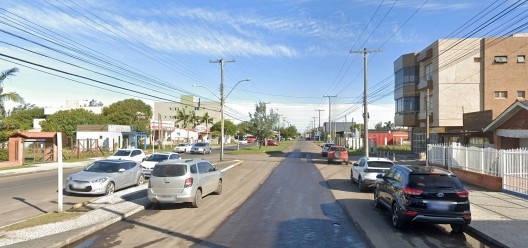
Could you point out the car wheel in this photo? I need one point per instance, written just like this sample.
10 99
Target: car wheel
396 220
141 179
377 204
197 199
361 185
218 190
458 228
110 188
352 176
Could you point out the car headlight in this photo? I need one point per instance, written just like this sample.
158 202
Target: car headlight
100 180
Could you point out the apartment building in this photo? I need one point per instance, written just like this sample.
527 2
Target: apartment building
456 81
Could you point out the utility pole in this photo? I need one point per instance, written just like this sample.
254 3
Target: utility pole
329 116
426 126
314 125
319 126
365 53
222 62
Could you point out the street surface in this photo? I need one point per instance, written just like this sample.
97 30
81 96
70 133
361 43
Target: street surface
300 204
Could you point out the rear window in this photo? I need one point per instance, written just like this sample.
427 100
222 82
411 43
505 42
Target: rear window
169 170
434 181
380 164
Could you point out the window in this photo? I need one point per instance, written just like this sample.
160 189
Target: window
501 59
429 71
521 93
501 94
520 59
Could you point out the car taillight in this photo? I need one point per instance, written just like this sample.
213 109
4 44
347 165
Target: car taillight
467 216
412 191
188 182
410 213
463 193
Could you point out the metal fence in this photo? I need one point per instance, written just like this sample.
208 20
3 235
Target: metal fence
511 165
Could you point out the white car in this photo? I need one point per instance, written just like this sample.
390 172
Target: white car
365 170
129 154
155 158
183 147
242 141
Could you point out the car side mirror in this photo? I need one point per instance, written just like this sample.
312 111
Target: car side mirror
380 176
355 164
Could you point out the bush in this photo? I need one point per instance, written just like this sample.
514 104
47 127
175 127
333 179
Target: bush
4 155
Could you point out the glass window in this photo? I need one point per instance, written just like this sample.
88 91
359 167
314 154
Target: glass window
520 59
135 153
380 164
501 94
194 169
203 167
501 59
174 156
521 93
429 71
398 176
169 170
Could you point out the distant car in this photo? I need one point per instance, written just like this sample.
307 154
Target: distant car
337 154
129 154
183 147
250 139
201 147
326 147
155 158
365 170
103 177
270 142
417 193
183 181
242 141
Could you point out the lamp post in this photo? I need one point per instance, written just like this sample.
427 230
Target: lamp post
222 101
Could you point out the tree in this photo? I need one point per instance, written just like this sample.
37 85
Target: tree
21 118
229 128
183 118
261 124
207 119
389 125
194 119
95 103
66 121
7 96
378 126
129 112
289 132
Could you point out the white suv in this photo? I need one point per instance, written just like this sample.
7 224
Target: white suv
365 170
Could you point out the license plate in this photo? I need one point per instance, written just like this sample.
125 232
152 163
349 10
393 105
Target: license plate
78 186
438 206
166 198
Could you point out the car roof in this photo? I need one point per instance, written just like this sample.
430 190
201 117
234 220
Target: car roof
116 161
377 159
424 169
184 161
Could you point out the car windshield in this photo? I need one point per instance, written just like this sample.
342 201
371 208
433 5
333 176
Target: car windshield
380 164
182 145
169 170
122 153
200 144
434 181
158 157
104 167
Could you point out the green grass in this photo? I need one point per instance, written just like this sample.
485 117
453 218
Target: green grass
42 220
15 167
256 149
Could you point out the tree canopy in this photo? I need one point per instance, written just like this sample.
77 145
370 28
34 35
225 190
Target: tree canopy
261 124
8 96
229 127
129 112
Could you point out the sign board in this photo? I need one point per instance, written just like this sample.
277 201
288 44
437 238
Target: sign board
200 128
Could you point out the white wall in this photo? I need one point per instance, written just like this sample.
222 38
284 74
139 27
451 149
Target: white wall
103 138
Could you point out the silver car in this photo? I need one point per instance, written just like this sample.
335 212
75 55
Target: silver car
103 177
155 158
183 181
201 147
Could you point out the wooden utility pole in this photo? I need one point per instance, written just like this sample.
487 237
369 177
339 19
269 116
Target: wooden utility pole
319 126
329 117
222 62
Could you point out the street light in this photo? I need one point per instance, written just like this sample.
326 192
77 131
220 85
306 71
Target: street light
222 100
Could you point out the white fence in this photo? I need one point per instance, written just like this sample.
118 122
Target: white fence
511 165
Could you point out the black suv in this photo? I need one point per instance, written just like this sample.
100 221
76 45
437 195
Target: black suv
417 193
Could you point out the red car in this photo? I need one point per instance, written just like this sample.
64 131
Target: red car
337 154
250 139
270 143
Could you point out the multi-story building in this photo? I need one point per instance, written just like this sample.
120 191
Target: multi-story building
166 112
436 87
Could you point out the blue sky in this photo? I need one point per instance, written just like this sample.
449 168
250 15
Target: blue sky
295 52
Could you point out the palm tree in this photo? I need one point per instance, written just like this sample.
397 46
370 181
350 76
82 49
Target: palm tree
207 119
184 118
8 96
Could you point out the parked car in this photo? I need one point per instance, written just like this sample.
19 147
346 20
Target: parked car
417 193
250 139
337 154
326 147
242 141
183 147
365 170
105 176
129 154
201 147
270 142
183 181
155 158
